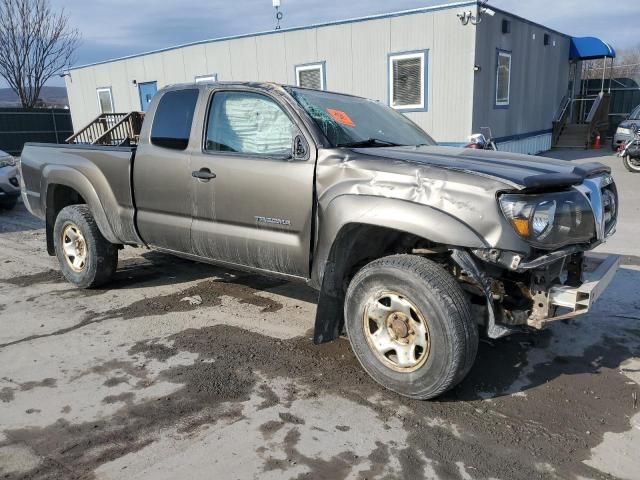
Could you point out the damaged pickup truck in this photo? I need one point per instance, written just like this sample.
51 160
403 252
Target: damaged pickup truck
415 249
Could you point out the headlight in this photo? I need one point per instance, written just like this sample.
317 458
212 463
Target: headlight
550 220
7 162
624 131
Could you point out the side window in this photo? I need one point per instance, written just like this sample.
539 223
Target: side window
503 79
172 122
105 100
408 81
245 122
311 76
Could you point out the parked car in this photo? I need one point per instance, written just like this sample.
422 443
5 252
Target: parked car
414 247
624 133
9 185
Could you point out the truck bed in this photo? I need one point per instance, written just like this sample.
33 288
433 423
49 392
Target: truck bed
100 174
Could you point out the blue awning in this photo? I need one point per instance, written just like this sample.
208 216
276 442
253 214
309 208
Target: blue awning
589 48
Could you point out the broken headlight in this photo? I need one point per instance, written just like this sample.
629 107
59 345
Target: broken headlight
550 220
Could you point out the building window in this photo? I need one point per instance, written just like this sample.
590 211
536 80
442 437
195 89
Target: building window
503 79
311 76
172 121
207 78
506 26
250 124
547 39
408 80
105 100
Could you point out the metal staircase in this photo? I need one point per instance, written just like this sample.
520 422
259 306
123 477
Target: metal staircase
114 129
579 119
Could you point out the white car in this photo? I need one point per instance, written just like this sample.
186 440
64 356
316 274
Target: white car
9 182
624 133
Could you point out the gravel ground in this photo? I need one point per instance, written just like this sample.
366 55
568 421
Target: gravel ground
183 370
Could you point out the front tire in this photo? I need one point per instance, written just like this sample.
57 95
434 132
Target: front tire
631 165
86 258
410 326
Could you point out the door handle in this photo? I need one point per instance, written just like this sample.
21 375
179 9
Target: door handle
203 174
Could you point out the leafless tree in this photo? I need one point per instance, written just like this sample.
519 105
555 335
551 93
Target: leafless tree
626 65
36 43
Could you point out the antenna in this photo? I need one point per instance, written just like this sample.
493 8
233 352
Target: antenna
279 14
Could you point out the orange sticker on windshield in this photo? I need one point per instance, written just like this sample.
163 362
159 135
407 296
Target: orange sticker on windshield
341 117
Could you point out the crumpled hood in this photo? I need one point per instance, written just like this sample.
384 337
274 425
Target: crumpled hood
521 171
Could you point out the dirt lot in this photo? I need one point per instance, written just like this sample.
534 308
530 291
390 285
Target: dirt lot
181 370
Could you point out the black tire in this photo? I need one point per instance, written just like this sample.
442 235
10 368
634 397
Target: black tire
452 331
101 255
628 164
9 204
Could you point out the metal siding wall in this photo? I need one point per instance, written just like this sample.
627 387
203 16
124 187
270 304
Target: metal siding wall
300 47
539 77
195 62
173 67
451 89
528 146
219 59
335 47
356 56
271 58
243 59
371 45
135 71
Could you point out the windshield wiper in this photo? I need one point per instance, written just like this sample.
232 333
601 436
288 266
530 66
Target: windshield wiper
371 142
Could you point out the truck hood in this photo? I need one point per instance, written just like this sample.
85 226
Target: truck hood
520 171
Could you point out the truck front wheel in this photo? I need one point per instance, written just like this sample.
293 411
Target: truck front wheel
410 326
86 258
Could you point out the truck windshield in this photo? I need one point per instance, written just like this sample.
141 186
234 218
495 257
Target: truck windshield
353 122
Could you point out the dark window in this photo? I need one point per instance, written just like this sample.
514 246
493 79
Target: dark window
506 26
249 123
172 122
547 39
407 80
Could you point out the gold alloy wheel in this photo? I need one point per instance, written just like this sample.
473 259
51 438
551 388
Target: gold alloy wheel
396 331
74 247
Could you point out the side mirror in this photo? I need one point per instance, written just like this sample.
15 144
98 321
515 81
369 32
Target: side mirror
300 148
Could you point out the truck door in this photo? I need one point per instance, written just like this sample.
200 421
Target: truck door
162 181
253 202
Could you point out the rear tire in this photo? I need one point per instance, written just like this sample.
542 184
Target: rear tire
401 292
630 165
86 258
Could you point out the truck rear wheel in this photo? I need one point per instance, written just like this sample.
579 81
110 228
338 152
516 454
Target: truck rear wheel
410 326
86 258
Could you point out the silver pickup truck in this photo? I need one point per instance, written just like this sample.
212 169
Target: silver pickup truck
415 249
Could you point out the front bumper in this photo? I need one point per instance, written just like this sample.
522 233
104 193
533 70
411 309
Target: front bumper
566 302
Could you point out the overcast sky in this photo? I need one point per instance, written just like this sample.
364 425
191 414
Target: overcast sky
116 28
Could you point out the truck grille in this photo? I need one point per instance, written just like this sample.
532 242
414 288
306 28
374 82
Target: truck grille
603 197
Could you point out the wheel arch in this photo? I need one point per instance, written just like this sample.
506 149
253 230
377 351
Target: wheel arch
64 187
355 230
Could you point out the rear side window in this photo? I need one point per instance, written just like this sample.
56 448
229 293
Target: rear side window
172 122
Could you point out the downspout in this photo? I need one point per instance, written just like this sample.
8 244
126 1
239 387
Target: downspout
604 72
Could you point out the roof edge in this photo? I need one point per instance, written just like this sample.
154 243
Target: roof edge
378 16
